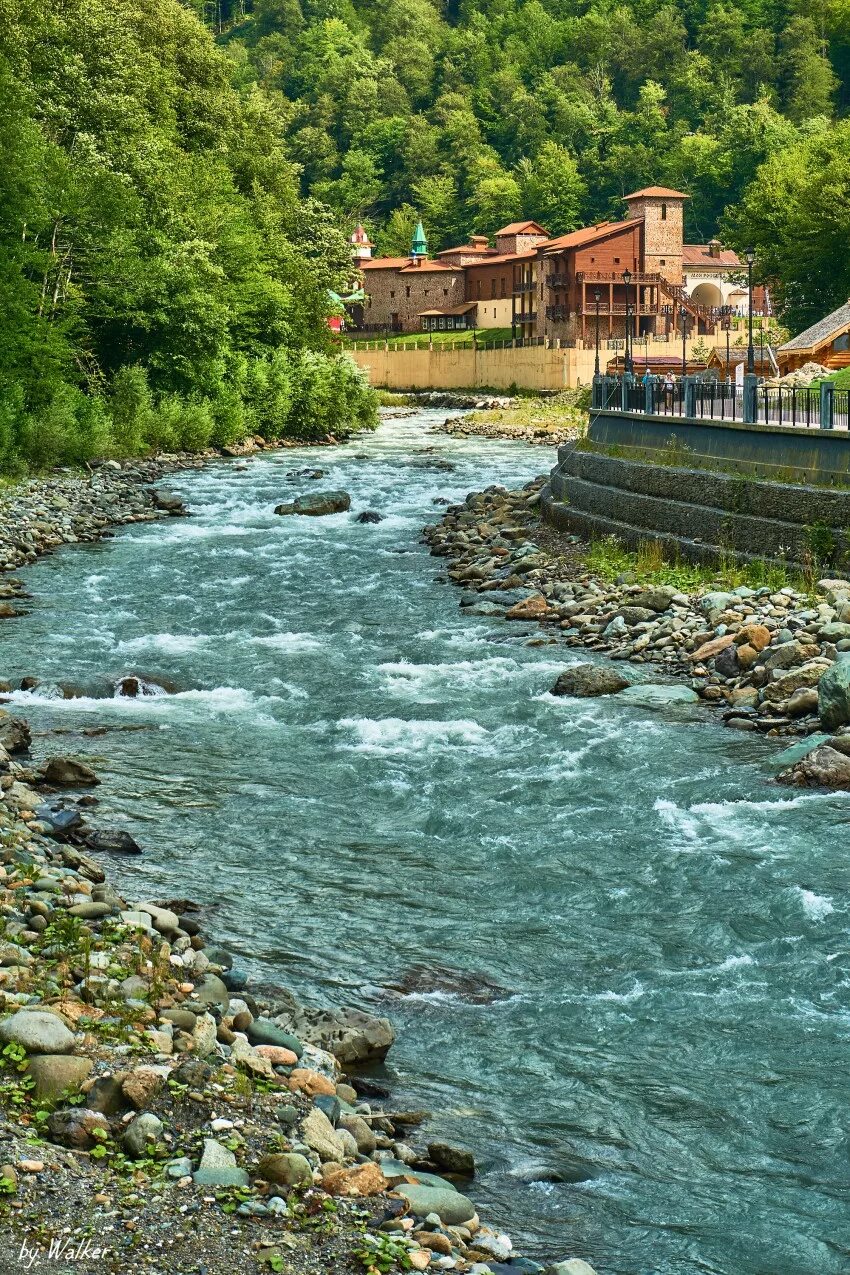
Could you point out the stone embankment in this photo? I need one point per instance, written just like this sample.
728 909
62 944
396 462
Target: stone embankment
154 1113
525 432
773 661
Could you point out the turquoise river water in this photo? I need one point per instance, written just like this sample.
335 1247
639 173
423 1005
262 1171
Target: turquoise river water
364 782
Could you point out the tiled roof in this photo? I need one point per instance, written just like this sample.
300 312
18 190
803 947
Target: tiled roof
818 333
576 238
404 265
468 248
529 255
697 254
657 192
455 309
518 227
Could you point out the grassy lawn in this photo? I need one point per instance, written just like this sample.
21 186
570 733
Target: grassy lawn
419 340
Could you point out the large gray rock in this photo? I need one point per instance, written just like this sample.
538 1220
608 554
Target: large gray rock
317 504
657 599
834 694
141 1134
68 772
452 1208
57 1074
286 1169
586 680
657 695
452 1159
218 1167
262 1031
15 734
351 1035
823 767
320 1135
573 1266
75 1127
38 1031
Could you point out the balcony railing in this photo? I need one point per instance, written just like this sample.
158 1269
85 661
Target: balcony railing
618 307
530 316
557 312
616 276
557 281
524 287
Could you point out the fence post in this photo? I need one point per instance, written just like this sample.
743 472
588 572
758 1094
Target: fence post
649 395
690 403
625 386
596 392
750 384
827 403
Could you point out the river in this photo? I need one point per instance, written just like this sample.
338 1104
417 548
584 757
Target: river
361 780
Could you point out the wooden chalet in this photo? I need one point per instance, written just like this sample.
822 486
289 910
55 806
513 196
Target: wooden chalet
826 342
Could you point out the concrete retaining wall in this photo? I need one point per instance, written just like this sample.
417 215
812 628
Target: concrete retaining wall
782 452
694 512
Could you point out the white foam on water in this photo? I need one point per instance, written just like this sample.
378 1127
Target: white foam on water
620 998
170 643
405 678
815 906
220 700
389 735
289 642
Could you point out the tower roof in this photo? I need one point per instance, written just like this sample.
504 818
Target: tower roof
419 246
656 192
360 237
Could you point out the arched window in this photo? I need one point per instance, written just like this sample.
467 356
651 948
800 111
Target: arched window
663 212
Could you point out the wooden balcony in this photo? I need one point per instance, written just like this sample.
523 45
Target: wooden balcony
618 307
616 276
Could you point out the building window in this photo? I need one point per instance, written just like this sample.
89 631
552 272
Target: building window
592 258
445 292
663 212
407 291
503 286
479 289
492 288
663 262
616 261
392 294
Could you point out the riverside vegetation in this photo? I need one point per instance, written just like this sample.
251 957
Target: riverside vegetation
165 286
774 658
154 1113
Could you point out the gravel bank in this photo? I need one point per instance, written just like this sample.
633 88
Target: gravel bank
776 662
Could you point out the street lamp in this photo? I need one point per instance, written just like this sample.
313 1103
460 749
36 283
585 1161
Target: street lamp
628 365
750 257
597 297
684 343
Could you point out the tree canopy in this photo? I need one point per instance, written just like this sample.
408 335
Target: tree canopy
475 112
158 262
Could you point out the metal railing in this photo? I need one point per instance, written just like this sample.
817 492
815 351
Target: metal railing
706 398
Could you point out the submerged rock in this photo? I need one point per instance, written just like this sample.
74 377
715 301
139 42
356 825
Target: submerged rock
657 695
452 1208
369 515
823 767
113 841
68 772
834 694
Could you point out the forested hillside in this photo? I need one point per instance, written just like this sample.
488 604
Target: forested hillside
163 282
476 112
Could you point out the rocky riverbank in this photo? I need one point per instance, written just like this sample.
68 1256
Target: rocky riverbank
772 661
548 421
155 1113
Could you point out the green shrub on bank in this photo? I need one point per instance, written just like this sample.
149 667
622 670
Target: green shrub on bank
291 394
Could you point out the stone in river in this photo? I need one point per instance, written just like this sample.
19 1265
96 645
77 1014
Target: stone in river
452 1159
317 504
38 1031
452 1208
586 680
823 767
657 695
113 840
834 694
262 1031
789 756
369 515
68 772
573 1266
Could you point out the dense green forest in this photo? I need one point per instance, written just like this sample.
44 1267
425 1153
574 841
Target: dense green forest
163 282
476 112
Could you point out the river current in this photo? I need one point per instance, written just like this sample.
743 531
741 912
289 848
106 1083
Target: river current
634 1000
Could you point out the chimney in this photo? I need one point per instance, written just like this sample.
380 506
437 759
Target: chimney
714 247
479 241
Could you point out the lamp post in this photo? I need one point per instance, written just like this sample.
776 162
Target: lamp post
684 315
728 335
597 297
751 354
628 366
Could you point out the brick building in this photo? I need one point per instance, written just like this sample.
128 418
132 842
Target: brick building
558 288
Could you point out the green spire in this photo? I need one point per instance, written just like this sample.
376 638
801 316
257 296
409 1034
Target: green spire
419 247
